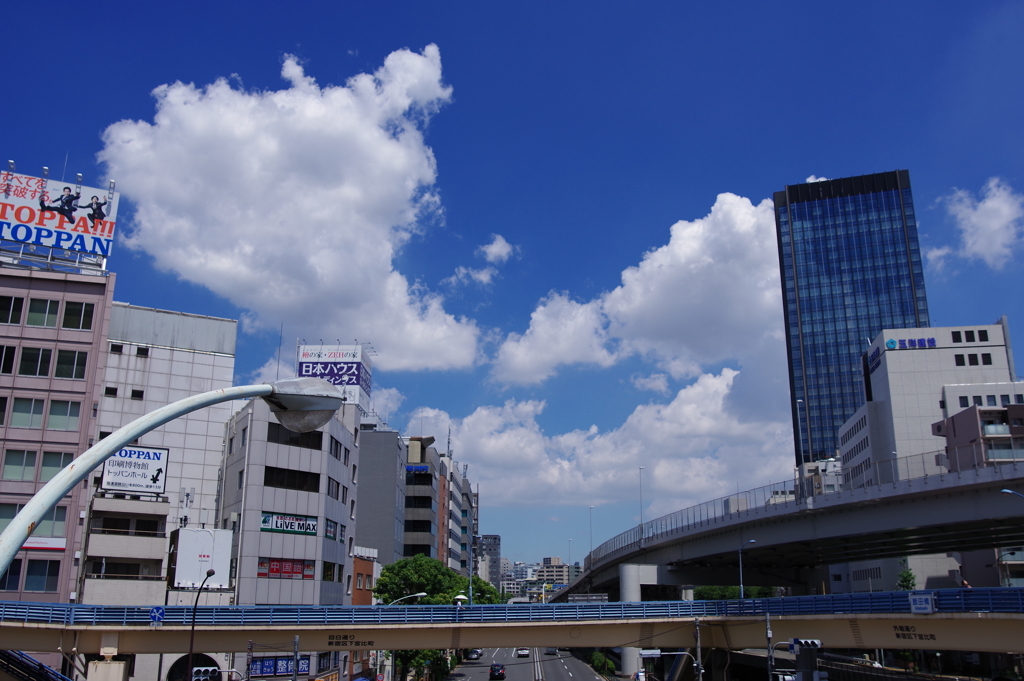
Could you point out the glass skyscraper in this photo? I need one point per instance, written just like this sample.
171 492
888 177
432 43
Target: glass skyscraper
851 266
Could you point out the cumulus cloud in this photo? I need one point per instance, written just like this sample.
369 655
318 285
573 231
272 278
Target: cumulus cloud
990 228
656 382
483 276
498 251
710 295
815 178
692 446
292 203
387 401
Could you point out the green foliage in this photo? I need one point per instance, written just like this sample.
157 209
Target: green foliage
422 573
601 664
421 660
731 593
906 581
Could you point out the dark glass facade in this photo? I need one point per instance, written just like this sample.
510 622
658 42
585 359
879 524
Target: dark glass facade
851 266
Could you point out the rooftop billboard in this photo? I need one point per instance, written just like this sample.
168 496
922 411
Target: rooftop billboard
346 366
42 212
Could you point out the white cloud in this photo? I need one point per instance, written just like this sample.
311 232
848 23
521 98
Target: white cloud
693 448
815 178
712 294
292 203
936 257
386 401
656 382
989 229
561 331
483 276
498 251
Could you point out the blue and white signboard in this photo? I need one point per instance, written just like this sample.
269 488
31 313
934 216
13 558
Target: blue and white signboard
922 604
136 469
346 366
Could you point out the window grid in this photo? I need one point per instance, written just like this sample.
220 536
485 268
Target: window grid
42 312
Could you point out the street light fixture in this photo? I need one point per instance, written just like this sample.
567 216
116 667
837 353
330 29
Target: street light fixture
420 594
749 541
300 405
641 502
192 636
1010 491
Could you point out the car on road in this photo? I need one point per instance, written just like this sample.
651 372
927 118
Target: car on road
497 672
522 652
551 651
473 655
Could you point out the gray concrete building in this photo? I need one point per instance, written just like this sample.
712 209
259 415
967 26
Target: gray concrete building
381 524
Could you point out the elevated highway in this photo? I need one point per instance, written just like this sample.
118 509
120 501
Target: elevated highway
977 620
926 513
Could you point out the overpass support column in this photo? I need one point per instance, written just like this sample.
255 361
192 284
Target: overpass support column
630 579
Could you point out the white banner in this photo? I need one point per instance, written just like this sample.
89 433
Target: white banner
136 469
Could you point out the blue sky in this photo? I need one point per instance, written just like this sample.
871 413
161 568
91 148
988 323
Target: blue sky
552 220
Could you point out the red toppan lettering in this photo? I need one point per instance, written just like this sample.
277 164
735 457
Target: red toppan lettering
4 207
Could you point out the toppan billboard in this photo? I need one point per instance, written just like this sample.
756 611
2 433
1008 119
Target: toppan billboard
42 212
346 366
136 469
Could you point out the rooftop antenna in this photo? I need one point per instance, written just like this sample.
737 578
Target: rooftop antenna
10 166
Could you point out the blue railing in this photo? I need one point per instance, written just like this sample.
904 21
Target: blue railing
1005 600
21 666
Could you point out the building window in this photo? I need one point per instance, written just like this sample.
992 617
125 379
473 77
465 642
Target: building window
53 463
328 572
969 336
52 524
355 481
7 359
344 495
1018 398
286 478
359 581
333 488
231 445
77 316
345 458
35 362
245 436
138 394
959 360
986 358
972 360
42 575
330 529
990 400
3 410
27 413
348 584
7 513
341 532
42 313
70 364
142 352
983 335
241 479
1004 400
116 349
335 449
279 434
110 391
63 415
10 310
19 464
964 402
977 400
957 338
352 512
11 579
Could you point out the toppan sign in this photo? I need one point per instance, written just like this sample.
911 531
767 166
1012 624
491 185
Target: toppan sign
345 366
290 524
136 469
41 212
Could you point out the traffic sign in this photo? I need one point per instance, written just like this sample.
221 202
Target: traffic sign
380 677
156 616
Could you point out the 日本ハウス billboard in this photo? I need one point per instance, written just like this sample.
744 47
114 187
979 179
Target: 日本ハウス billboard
346 366
44 212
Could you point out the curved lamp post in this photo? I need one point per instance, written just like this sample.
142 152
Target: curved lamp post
300 405
192 636
1010 491
749 541
420 594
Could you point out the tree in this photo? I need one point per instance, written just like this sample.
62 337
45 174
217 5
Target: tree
906 581
424 574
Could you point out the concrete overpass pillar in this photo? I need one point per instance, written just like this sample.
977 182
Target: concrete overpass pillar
630 577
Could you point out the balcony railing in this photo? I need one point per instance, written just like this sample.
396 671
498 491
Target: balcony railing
109 575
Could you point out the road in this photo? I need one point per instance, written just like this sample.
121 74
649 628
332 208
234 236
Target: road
538 666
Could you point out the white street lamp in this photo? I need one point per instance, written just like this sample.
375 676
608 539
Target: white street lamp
300 405
420 594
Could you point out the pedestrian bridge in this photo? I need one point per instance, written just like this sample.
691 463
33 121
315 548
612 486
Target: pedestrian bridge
916 507
977 620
